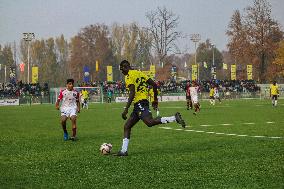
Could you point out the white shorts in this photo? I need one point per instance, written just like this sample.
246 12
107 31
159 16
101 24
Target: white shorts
194 99
68 112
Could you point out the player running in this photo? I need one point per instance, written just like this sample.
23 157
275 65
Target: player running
211 95
187 96
194 97
274 93
85 97
216 93
69 108
137 83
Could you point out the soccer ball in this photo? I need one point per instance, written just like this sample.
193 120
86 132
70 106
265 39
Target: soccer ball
105 148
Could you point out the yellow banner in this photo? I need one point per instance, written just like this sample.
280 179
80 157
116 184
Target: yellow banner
97 66
225 66
205 65
194 72
153 68
249 71
34 74
149 74
109 73
233 72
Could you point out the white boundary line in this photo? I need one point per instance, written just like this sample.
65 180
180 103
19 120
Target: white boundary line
216 133
230 124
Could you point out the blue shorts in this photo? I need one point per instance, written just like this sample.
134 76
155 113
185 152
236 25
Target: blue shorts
141 109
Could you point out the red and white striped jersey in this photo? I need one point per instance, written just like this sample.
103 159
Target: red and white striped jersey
69 98
187 90
194 91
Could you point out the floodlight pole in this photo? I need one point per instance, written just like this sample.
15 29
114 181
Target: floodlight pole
195 38
213 62
28 37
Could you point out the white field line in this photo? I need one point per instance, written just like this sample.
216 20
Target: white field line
231 134
178 129
223 124
229 124
216 133
199 131
258 136
270 122
206 125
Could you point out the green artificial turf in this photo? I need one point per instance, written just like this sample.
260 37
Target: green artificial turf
34 155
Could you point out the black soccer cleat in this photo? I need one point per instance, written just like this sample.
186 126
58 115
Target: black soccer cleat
179 119
120 153
73 138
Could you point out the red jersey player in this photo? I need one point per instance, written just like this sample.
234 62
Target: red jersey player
187 95
69 108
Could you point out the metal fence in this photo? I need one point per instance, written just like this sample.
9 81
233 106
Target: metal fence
52 97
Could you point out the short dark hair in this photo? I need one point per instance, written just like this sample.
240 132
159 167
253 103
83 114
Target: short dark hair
124 62
70 80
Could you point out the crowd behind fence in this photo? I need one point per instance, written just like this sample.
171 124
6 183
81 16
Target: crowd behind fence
36 93
172 86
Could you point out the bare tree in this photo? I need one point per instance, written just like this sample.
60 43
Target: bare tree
163 25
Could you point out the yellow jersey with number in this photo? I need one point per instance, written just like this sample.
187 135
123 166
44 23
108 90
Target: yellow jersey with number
85 94
139 80
211 93
274 89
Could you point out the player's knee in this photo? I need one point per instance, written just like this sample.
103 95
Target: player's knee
73 119
149 123
127 127
63 121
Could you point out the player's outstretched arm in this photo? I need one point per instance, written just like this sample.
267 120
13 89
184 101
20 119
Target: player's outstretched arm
155 90
58 100
78 106
130 99
57 105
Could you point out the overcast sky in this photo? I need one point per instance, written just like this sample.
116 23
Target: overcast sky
51 18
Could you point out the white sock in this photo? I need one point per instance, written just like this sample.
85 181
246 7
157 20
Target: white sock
168 119
213 102
125 143
275 103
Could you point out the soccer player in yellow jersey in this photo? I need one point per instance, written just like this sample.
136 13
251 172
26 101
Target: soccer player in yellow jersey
211 95
137 83
85 96
274 93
